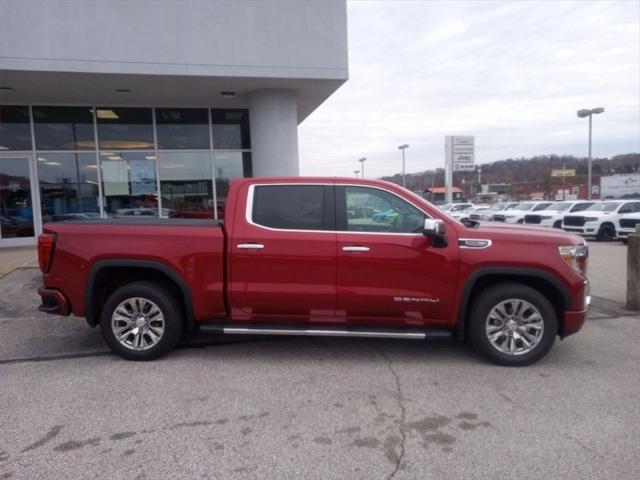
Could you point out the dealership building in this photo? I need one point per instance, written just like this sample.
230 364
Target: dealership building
114 108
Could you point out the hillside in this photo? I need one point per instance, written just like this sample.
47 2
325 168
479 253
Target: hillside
522 169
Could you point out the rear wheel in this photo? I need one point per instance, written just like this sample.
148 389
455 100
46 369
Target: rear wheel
606 233
141 321
558 224
512 324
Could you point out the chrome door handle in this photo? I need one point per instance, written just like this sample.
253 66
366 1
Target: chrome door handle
250 246
355 248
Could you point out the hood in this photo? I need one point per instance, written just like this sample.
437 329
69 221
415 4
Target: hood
521 233
592 213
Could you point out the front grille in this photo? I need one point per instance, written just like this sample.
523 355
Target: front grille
532 219
629 222
498 218
574 221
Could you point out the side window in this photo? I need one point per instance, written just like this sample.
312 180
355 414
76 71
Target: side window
373 210
630 207
291 207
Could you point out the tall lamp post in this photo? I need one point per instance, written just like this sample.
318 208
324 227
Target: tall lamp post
403 148
362 160
589 113
356 172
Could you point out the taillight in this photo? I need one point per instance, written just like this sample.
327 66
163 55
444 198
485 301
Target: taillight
46 246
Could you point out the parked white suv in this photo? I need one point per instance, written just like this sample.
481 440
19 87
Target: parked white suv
552 215
626 225
600 219
516 215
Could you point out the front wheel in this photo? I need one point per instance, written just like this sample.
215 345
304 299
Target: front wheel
512 324
606 233
141 321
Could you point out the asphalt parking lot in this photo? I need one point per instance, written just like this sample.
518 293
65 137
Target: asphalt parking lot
267 408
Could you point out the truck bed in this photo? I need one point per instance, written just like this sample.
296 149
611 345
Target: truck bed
188 251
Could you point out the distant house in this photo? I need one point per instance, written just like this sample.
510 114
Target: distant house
437 195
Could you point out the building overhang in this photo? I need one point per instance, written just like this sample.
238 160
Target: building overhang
131 89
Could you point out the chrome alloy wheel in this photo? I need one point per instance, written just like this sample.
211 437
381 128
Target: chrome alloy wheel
137 323
514 327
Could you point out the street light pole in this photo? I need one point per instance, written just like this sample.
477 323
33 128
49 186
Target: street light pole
356 172
362 160
589 113
403 147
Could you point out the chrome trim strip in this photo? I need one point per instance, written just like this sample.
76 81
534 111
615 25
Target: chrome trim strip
250 246
323 333
249 209
462 243
355 249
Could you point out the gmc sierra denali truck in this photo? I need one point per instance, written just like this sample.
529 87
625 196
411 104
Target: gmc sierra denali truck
314 256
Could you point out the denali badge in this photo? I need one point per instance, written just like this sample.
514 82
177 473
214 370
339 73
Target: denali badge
416 299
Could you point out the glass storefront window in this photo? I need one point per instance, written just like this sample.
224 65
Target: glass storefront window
63 128
15 131
124 128
228 166
182 128
68 185
230 129
129 183
185 184
16 207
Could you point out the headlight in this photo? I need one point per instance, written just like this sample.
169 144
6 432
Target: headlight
576 257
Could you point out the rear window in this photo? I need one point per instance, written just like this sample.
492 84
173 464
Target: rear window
290 207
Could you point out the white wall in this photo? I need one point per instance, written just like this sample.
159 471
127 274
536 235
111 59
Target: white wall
267 38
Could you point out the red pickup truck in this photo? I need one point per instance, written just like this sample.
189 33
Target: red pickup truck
318 256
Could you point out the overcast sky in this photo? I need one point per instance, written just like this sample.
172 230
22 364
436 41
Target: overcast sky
511 73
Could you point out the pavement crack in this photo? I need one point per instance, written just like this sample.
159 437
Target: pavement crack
403 415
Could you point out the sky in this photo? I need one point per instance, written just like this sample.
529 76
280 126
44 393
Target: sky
511 73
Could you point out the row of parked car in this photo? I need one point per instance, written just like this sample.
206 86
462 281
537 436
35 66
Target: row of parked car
605 220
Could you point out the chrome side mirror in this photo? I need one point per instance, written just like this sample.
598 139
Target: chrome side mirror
433 228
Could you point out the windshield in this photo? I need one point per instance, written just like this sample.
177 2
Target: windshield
514 206
446 206
559 206
458 208
604 207
526 206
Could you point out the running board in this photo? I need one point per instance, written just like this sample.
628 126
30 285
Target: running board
328 332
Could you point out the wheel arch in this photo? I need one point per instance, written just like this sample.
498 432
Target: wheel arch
541 280
107 275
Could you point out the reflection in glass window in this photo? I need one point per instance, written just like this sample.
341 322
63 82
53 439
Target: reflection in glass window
230 129
185 184
68 186
373 210
228 166
16 209
63 128
129 183
15 131
124 128
182 128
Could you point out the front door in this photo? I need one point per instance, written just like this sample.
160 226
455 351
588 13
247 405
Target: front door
17 226
388 272
282 254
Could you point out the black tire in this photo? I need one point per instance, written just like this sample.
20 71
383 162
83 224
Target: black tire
558 224
624 240
494 296
606 233
165 302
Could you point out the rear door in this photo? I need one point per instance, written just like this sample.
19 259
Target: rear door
390 274
282 249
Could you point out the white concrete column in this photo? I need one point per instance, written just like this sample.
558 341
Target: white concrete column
273 120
